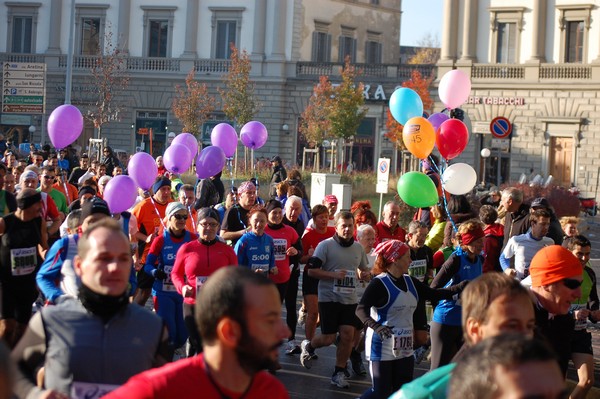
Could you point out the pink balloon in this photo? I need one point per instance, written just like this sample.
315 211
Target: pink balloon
188 140
254 135
177 158
452 138
224 135
142 169
454 88
437 119
210 161
120 193
65 124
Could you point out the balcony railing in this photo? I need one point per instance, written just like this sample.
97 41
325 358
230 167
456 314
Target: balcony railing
209 67
498 71
565 71
381 71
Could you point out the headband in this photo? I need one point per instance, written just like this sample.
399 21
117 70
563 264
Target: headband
391 250
471 235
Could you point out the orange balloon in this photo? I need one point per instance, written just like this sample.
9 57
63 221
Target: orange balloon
418 136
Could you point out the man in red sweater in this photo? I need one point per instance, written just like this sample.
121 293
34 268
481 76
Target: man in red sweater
239 317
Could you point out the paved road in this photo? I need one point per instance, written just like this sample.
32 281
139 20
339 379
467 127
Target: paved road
315 383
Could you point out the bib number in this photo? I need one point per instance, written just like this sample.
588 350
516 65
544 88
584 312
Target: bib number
418 269
23 261
403 343
167 284
90 390
280 247
346 285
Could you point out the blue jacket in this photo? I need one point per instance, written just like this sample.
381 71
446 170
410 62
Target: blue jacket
256 252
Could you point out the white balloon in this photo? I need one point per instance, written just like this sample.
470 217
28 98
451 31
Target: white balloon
459 178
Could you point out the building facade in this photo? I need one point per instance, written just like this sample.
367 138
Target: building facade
537 64
290 43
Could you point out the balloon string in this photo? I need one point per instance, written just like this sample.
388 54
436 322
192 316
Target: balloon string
67 192
440 171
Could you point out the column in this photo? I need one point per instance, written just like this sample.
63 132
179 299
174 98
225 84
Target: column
469 38
191 29
279 8
260 20
450 31
538 29
124 21
54 36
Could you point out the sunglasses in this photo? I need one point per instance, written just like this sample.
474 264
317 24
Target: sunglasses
571 284
180 217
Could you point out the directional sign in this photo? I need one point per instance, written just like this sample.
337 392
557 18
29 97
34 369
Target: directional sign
500 127
23 87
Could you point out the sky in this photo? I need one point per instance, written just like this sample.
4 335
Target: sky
419 18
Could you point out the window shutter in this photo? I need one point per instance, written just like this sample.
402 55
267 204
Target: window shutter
353 58
315 43
328 49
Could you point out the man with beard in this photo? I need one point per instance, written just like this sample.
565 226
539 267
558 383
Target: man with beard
239 317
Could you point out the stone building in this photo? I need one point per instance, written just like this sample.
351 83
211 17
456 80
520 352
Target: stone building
290 43
537 64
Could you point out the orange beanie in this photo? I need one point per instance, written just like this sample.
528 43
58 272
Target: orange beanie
552 264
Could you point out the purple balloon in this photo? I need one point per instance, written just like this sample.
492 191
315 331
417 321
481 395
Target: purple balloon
142 169
120 193
437 119
65 124
224 136
177 158
210 161
188 140
254 135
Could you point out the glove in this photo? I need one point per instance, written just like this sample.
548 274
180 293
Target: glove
383 331
160 274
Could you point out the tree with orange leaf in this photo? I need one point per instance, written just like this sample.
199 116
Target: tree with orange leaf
315 123
193 104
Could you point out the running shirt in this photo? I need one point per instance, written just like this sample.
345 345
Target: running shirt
19 257
8 203
162 256
196 261
235 219
186 378
397 313
523 247
256 252
589 296
312 238
422 262
149 214
384 233
283 238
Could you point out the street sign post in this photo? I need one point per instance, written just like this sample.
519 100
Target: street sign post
383 179
23 87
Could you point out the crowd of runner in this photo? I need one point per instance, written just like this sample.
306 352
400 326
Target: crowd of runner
461 273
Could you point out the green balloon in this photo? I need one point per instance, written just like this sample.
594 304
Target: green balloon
417 190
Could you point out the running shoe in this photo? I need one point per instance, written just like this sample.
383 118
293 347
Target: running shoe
301 317
305 357
292 348
358 367
421 353
339 380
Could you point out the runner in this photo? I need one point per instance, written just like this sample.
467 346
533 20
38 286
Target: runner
22 245
235 222
168 303
255 249
195 262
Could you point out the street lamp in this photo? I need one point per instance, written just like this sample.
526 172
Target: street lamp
32 130
485 154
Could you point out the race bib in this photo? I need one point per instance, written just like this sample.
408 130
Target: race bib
347 285
260 268
200 281
418 269
90 390
403 342
23 261
167 284
280 246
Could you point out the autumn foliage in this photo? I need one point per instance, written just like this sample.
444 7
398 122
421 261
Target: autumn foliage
193 104
420 85
239 103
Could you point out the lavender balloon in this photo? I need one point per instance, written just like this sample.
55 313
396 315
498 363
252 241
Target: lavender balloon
224 135
177 158
210 161
437 119
254 135
65 124
120 193
189 141
142 169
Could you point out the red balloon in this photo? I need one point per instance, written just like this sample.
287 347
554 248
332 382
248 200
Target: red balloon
451 138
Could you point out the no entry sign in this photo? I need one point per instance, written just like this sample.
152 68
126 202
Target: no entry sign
500 127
